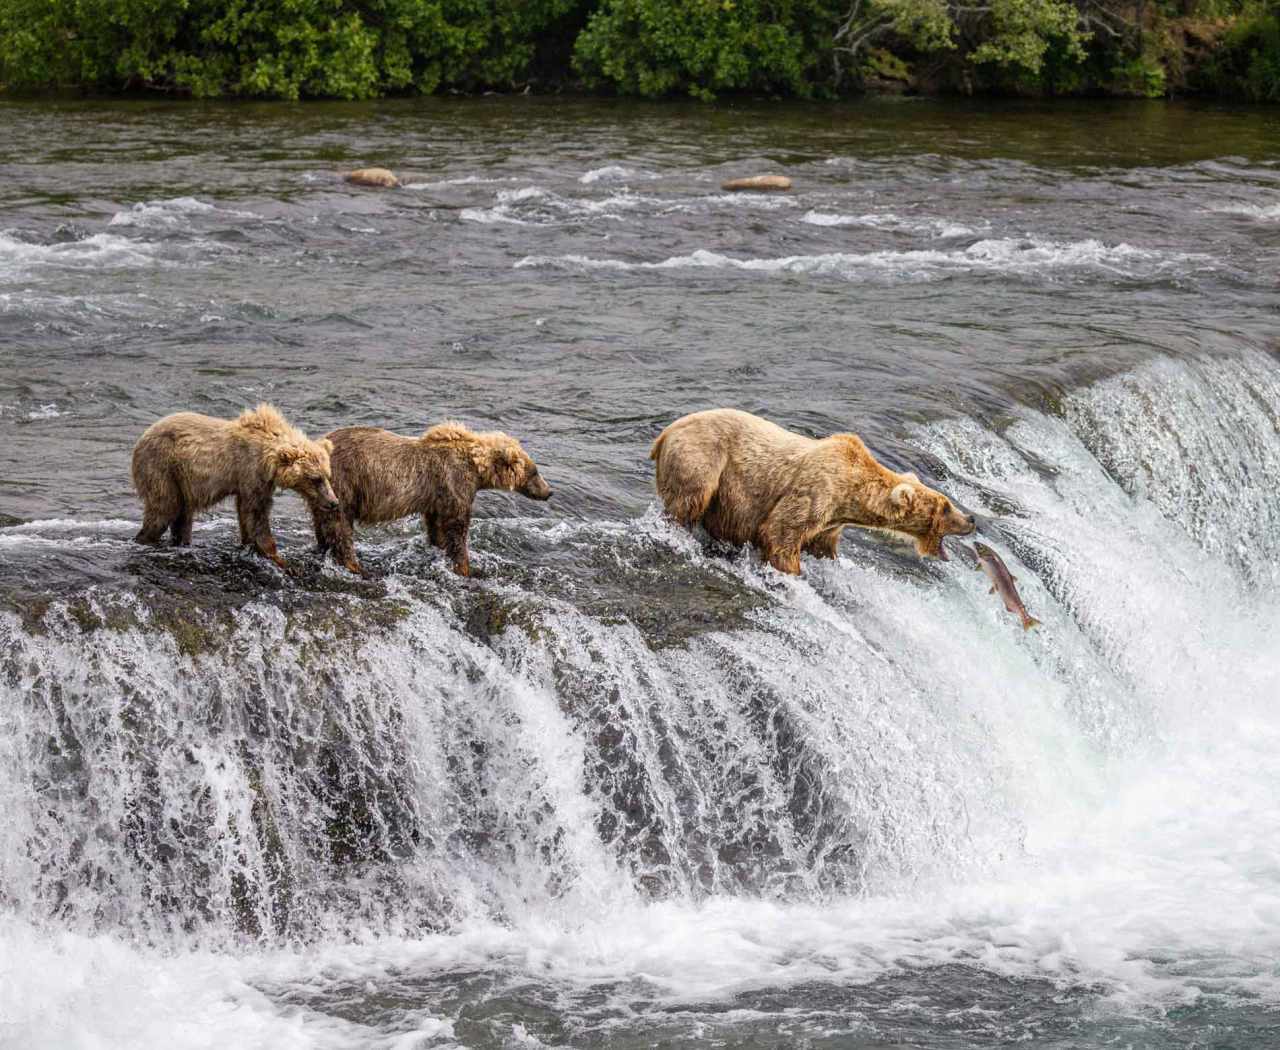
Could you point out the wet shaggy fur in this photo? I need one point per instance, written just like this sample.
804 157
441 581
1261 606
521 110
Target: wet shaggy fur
186 462
746 480
379 477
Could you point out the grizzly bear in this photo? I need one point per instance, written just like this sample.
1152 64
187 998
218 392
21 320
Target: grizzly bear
747 480
380 477
187 462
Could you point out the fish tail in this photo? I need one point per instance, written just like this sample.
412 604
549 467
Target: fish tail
1029 622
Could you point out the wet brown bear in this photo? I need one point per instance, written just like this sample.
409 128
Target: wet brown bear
380 476
747 480
187 462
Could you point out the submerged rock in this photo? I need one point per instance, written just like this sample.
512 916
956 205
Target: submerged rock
379 177
758 184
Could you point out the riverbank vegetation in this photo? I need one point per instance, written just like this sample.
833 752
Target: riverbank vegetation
649 48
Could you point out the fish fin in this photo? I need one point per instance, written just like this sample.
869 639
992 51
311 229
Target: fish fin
1029 623
1014 579
992 591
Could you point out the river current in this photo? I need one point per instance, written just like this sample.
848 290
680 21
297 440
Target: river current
625 788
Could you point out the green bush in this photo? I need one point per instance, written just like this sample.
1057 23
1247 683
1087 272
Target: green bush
1140 76
1247 61
271 48
367 48
704 47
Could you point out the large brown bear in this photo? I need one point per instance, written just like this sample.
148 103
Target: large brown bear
380 477
186 462
747 480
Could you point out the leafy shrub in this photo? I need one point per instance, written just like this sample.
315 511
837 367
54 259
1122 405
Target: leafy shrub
1140 76
365 48
1022 31
703 47
1247 61
271 48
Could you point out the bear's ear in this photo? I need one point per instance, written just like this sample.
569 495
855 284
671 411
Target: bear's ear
283 457
506 455
902 496
910 476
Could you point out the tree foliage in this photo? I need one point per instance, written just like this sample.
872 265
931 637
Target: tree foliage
703 47
366 48
271 48
1247 62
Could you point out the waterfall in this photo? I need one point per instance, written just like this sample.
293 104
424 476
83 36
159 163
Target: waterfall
326 765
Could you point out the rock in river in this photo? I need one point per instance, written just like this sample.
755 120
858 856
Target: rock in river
758 183
372 177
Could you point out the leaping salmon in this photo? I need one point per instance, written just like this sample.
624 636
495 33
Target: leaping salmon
1002 582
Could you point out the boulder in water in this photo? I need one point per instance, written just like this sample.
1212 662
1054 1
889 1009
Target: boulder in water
758 184
379 177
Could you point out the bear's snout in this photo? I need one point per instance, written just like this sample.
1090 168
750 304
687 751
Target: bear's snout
536 488
328 499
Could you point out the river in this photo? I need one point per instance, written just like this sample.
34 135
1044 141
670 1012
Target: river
623 788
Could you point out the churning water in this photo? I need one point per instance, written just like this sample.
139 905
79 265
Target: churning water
622 788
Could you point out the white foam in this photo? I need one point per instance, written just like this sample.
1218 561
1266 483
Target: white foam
758 201
1265 212
535 206
172 212
49 411
466 180
1029 256
609 173
72 525
897 223
69 992
101 251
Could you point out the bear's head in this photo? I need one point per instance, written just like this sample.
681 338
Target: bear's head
303 465
927 515
508 466
499 460
292 459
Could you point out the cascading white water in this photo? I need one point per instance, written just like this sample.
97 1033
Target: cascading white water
877 769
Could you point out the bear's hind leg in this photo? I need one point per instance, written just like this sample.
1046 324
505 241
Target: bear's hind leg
161 508
180 527
687 485
157 487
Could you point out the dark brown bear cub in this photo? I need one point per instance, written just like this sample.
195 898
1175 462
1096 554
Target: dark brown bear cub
379 477
187 462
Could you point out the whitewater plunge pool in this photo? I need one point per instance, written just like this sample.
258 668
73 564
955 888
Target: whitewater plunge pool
620 789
